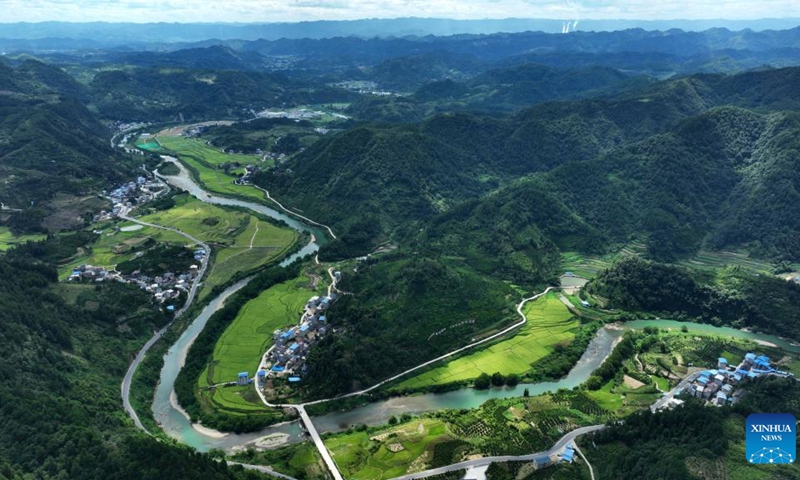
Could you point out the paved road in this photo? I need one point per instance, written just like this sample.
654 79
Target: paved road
447 355
126 381
312 430
262 469
312 222
669 395
307 420
571 436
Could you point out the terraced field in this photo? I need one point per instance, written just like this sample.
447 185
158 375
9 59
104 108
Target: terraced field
411 443
549 324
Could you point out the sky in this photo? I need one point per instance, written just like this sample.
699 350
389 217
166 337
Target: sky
259 11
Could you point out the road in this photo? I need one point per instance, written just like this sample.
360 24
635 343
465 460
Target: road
569 437
126 381
447 355
312 430
669 395
312 222
262 469
307 420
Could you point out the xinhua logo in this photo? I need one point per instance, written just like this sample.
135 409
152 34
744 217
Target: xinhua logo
771 438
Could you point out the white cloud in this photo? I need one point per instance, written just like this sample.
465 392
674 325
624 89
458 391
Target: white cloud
296 10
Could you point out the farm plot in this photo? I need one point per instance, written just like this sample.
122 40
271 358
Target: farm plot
241 346
549 324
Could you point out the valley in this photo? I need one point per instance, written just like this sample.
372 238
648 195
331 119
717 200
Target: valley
488 256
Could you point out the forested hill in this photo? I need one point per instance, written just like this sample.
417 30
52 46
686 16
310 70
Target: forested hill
671 164
51 146
61 366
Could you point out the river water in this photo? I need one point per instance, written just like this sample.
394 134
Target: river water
174 421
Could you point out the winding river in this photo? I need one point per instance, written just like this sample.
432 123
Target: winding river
175 422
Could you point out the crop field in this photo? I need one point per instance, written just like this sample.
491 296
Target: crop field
715 260
8 239
114 246
241 346
549 324
354 454
583 265
199 149
244 241
216 181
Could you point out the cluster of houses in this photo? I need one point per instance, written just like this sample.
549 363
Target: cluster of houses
132 193
249 171
165 288
720 386
287 356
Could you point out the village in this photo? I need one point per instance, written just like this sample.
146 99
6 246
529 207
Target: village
722 386
166 288
286 358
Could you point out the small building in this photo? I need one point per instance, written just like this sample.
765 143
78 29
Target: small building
735 378
568 454
722 363
762 362
323 318
261 374
699 392
293 379
719 379
721 398
703 381
705 374
750 358
584 303
243 379
727 389
278 369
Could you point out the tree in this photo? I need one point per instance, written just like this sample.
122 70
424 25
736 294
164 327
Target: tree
483 381
498 380
526 393
685 329
392 420
512 380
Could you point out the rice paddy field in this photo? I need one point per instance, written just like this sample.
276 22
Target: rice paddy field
241 346
411 442
549 324
242 241
8 239
199 149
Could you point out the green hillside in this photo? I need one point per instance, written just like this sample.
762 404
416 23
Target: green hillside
403 311
62 365
670 165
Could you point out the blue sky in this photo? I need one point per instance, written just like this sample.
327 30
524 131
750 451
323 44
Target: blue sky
253 11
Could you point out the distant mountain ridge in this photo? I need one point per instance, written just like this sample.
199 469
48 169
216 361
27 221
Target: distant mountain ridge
109 33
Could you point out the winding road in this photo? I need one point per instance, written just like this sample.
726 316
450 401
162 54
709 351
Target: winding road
126 381
557 448
312 430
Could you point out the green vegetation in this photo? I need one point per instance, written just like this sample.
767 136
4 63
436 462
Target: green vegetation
404 311
9 240
549 324
734 296
241 414
244 341
301 461
499 427
198 149
242 241
264 134
693 441
86 334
